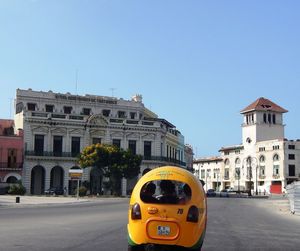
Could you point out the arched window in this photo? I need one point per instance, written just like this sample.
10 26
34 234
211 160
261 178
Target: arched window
265 118
226 170
237 168
274 119
269 118
276 157
276 166
262 167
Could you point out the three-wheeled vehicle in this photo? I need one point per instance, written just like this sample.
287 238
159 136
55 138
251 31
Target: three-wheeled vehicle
167 211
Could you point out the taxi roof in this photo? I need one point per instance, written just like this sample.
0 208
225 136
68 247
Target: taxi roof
169 173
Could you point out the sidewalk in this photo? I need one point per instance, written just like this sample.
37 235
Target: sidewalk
11 200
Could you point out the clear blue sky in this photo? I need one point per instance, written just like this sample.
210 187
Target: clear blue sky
196 63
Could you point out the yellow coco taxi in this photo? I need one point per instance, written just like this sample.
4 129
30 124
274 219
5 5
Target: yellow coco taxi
167 211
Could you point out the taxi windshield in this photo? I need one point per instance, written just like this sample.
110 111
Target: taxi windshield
165 192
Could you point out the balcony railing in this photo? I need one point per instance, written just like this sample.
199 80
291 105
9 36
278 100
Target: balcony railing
51 154
261 176
74 155
276 176
164 159
10 166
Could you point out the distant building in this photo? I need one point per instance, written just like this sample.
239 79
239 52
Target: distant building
189 156
58 126
11 153
264 162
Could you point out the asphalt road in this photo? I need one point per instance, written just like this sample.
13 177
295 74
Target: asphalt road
250 224
87 226
233 224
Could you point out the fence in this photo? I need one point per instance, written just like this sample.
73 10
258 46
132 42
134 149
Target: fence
293 192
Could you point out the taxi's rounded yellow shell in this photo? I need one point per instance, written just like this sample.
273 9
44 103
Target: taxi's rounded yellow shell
181 223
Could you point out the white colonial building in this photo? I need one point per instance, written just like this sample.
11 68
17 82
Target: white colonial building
58 126
265 161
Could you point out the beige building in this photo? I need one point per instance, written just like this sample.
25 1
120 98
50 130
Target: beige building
265 161
58 126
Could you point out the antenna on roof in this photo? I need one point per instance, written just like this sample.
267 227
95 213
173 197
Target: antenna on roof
112 91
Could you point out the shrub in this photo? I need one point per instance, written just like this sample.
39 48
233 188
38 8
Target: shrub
17 189
82 191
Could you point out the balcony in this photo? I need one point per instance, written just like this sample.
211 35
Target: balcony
226 177
74 155
164 159
262 176
51 154
276 176
4 166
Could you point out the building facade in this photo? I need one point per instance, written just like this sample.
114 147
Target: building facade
265 161
58 126
11 153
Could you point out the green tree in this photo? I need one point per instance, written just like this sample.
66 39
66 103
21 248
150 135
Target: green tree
113 162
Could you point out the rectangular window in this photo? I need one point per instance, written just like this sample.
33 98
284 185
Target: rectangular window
75 147
226 174
208 173
262 149
202 174
38 144
276 147
96 140
49 108
262 172
121 114
292 171
86 111
31 106
12 158
57 145
132 146
292 156
67 109
276 170
274 119
291 147
147 148
132 115
105 113
117 142
226 153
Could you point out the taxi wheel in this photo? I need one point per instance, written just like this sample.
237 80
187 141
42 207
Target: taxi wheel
134 248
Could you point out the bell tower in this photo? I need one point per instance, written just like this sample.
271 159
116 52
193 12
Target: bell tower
263 120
